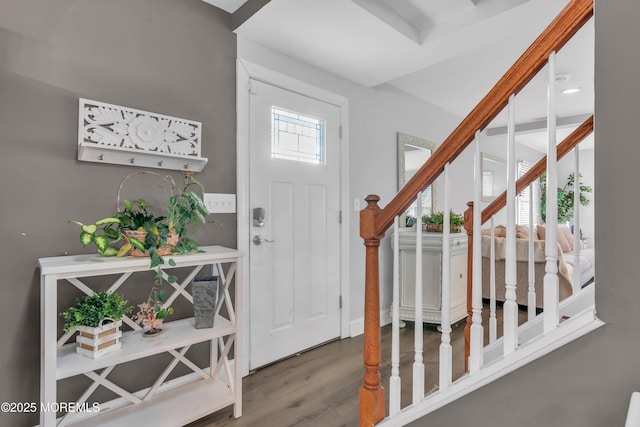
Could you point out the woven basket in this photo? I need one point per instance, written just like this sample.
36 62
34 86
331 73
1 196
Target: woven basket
434 228
172 240
437 228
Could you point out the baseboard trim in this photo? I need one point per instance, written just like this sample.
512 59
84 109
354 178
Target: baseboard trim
356 327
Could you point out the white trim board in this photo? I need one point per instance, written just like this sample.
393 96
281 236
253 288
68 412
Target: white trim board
245 71
356 327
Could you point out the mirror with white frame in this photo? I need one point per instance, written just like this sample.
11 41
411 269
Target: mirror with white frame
494 176
412 153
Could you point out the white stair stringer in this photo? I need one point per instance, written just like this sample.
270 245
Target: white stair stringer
581 320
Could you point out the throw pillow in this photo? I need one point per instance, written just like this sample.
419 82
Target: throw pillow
565 232
500 231
522 232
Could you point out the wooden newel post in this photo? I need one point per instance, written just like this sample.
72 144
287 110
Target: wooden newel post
371 393
468 226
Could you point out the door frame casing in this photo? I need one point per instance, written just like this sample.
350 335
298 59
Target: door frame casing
245 71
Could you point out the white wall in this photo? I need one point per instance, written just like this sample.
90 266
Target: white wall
462 172
375 116
497 146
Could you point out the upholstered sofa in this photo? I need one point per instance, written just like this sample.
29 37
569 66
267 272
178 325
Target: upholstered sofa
565 263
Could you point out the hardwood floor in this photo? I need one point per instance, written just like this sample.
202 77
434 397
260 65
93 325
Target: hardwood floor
320 387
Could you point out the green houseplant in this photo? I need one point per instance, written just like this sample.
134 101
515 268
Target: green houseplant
140 232
435 220
91 310
184 208
95 337
565 198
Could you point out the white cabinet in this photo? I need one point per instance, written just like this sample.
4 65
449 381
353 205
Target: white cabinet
173 402
432 275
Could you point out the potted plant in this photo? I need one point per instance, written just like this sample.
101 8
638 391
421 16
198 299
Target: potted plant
152 313
435 220
565 198
146 234
135 221
456 222
97 319
142 232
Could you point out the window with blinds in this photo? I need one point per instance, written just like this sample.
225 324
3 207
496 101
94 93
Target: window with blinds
523 198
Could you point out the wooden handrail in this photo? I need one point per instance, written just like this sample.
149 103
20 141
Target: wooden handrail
539 168
552 39
574 138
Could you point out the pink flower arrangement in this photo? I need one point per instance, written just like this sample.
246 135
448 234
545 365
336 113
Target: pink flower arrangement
146 316
152 313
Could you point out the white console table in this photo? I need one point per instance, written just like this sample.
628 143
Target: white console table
167 402
432 275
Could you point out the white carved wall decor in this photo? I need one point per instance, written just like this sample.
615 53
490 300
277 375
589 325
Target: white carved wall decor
110 133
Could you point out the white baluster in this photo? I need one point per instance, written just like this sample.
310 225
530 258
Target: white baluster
577 268
418 366
446 354
551 282
394 381
531 308
477 332
510 307
493 320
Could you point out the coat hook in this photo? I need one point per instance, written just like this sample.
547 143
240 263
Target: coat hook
101 157
186 166
132 160
160 163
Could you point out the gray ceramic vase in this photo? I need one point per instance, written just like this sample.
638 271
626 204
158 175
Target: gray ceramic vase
205 295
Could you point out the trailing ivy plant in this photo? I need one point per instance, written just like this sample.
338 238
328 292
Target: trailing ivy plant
186 207
565 198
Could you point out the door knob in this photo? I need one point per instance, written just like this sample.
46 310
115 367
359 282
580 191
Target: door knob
258 239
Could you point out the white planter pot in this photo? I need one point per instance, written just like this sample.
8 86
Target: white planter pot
96 342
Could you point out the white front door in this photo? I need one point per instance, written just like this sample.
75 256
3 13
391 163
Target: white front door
294 195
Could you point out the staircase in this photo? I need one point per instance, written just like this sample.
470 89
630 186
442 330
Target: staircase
559 321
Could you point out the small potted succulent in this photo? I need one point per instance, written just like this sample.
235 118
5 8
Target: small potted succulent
97 319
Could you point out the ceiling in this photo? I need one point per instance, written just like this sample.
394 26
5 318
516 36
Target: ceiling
446 52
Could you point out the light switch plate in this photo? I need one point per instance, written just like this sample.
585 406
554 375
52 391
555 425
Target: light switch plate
220 203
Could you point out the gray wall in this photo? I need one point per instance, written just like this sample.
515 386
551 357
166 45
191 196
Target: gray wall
588 382
167 56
